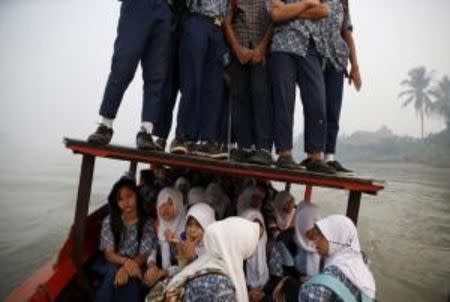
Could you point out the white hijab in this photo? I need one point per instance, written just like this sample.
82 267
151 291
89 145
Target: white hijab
245 199
283 219
175 225
196 195
204 215
256 267
228 243
345 252
217 198
307 214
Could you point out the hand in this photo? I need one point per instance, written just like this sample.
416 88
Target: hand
132 269
259 55
255 295
171 236
121 277
355 77
243 54
186 250
312 3
277 3
153 274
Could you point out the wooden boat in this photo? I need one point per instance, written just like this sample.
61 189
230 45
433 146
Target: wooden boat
65 278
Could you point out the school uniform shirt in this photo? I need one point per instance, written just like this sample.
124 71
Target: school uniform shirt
250 22
129 245
210 287
319 293
293 36
209 8
331 45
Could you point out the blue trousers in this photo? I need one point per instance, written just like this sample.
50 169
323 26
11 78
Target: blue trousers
202 51
287 70
334 86
108 292
143 36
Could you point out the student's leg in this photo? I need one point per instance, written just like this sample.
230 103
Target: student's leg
334 86
193 47
132 33
283 73
106 289
155 62
241 103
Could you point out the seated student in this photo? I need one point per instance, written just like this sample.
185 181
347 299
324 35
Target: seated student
143 36
307 260
183 185
196 195
126 241
218 275
251 197
284 210
217 199
256 269
345 276
170 223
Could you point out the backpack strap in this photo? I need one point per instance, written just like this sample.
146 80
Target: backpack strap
335 285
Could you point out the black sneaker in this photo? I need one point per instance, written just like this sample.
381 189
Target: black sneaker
210 149
287 162
178 146
101 136
144 141
340 169
160 144
240 155
318 166
261 157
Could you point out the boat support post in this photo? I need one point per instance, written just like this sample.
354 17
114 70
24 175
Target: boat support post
354 201
81 212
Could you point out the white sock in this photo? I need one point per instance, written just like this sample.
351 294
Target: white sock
147 127
108 122
329 157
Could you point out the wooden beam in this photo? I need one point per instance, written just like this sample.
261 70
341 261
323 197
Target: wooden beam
354 201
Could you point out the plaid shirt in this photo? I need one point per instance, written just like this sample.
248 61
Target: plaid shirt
210 8
129 244
331 44
294 36
279 257
210 287
320 293
250 22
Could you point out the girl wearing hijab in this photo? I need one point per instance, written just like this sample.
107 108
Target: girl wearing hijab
217 199
256 269
218 275
251 197
345 276
169 226
196 195
307 260
126 241
284 210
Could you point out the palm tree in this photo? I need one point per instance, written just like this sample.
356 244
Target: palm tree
417 91
441 94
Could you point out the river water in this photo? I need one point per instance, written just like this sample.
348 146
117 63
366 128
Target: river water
405 230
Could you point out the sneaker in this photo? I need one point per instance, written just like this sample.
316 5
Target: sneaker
340 169
101 136
178 146
211 149
287 162
160 144
240 155
144 141
261 157
318 166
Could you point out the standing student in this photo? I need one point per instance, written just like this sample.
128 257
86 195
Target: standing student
337 47
202 53
126 241
218 275
294 60
248 31
345 276
143 36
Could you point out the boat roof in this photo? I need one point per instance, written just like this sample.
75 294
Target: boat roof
225 167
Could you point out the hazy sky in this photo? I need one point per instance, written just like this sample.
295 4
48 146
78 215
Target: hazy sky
55 57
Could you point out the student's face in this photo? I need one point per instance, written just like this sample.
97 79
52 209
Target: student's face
127 200
194 231
322 244
289 206
167 210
